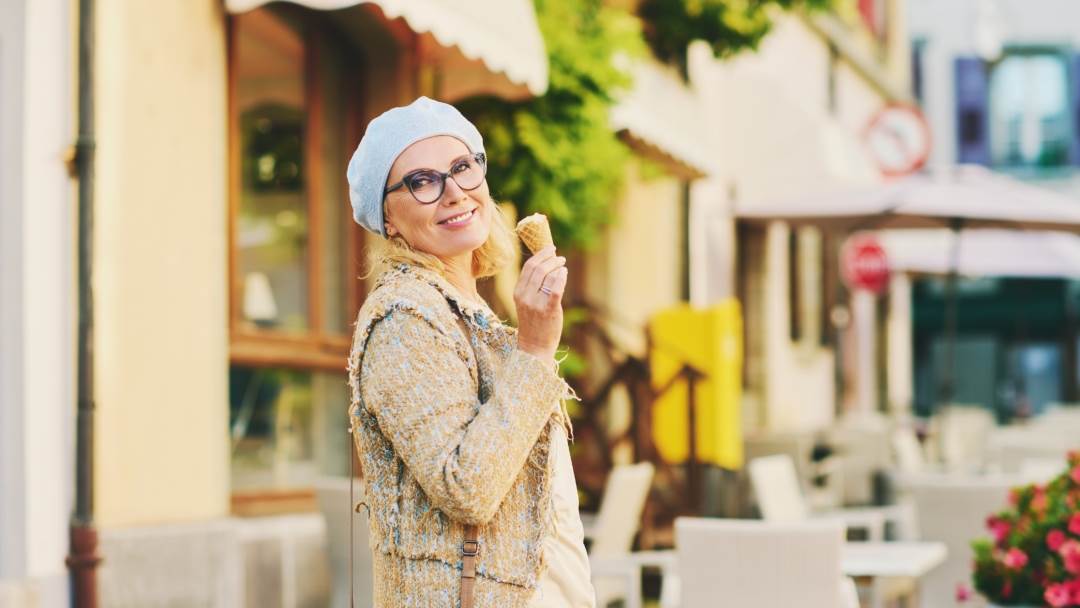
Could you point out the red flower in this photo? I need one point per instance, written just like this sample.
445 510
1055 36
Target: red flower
1014 496
1057 596
1074 587
1054 539
999 528
1075 474
1015 559
1006 589
1074 524
1039 501
963 593
1070 553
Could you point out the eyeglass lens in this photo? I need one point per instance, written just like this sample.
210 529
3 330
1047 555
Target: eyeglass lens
427 186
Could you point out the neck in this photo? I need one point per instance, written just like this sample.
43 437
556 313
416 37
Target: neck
459 274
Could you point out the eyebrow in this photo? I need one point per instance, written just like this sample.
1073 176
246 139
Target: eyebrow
415 171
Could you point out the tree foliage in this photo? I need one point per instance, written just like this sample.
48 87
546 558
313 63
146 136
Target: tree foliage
728 26
556 153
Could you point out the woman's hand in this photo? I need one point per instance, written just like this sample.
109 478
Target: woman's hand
538 298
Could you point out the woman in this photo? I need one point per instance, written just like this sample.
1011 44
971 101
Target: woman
462 440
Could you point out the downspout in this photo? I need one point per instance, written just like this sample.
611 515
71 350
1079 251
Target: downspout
82 560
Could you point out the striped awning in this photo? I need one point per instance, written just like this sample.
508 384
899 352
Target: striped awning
503 34
661 111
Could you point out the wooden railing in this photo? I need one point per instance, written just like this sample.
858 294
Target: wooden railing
677 489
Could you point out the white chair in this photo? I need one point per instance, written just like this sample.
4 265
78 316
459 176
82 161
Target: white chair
908 452
952 509
963 434
780 500
332 494
616 570
743 563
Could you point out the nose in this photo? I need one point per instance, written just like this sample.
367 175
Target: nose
452 192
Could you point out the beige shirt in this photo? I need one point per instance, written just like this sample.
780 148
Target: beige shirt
566 582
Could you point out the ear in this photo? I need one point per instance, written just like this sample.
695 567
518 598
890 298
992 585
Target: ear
390 230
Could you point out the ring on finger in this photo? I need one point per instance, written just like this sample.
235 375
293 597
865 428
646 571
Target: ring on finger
546 289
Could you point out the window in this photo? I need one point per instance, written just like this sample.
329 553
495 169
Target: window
1029 110
918 56
294 251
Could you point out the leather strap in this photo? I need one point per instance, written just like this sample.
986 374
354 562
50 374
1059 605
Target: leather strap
469 548
353 507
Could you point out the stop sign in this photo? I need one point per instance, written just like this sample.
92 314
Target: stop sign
863 264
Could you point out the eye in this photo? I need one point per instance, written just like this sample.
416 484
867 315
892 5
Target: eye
421 180
461 166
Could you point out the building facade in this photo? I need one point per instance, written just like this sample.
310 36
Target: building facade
999 82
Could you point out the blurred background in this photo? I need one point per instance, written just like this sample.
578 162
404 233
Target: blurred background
833 235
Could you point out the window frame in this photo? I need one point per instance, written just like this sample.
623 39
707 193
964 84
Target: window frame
317 348
1072 128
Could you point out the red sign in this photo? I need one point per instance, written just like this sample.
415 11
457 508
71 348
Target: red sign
863 264
898 138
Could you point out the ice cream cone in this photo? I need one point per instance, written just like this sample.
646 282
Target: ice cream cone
535 232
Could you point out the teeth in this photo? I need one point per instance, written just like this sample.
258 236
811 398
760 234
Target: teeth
457 218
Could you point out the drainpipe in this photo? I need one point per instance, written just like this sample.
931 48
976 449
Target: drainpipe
82 560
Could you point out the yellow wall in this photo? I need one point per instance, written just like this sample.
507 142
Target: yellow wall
161 338
780 140
636 268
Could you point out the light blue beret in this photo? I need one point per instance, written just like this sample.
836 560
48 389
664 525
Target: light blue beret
386 137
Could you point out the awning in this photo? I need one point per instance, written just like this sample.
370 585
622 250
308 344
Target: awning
983 253
962 197
661 113
503 34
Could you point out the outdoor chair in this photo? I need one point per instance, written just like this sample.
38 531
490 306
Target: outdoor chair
952 509
780 500
963 434
616 570
727 562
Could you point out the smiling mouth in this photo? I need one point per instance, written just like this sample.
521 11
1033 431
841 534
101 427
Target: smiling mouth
461 218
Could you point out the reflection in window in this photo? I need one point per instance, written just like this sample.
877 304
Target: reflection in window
272 225
1029 117
287 427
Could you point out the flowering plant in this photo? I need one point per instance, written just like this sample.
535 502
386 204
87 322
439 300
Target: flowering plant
1034 555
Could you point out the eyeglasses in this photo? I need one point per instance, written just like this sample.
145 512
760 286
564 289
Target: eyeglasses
426 185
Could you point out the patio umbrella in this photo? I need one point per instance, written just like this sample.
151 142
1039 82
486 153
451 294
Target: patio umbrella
968 195
958 198
983 252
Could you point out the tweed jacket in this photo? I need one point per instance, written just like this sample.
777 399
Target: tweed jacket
453 426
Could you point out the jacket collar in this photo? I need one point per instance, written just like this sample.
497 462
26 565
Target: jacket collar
477 314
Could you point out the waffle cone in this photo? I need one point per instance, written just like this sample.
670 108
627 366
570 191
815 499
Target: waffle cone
535 232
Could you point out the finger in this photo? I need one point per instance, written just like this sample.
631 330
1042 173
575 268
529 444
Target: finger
529 268
544 269
555 283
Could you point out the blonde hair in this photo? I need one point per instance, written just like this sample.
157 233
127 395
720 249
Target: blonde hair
488 259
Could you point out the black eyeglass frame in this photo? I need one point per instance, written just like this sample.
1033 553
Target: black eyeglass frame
479 157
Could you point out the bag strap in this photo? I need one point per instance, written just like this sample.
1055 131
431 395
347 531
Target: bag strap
352 514
469 548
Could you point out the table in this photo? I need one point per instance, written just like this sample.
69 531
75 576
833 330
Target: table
873 561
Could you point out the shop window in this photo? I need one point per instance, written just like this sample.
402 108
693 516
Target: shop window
294 250
1030 124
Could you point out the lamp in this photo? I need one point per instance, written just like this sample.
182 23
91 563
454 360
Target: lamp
259 304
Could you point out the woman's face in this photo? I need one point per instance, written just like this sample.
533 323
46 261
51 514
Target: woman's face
458 222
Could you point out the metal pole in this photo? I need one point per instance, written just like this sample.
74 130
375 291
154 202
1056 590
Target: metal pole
948 376
83 559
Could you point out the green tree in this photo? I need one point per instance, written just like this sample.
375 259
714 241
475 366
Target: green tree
556 154
728 26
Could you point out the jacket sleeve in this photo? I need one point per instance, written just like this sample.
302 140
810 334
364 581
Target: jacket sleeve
424 398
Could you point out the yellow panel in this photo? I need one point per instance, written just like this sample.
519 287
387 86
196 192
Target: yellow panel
710 340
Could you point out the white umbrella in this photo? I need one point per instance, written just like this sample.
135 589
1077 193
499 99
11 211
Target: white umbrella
959 198
965 196
983 253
